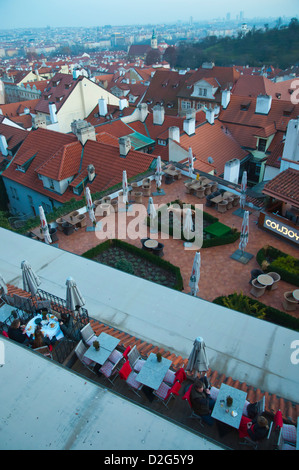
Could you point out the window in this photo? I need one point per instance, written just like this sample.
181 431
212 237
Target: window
186 105
14 193
51 183
262 145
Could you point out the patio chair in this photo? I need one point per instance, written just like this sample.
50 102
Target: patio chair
88 334
186 397
222 206
80 351
257 289
256 444
126 373
276 279
159 250
109 370
45 351
255 273
135 360
171 377
115 357
165 392
287 437
289 303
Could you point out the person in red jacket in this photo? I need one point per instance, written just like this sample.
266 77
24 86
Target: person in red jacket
255 429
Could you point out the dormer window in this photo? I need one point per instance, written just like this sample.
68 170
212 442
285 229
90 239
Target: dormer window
245 106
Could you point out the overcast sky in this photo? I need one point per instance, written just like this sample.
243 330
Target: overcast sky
39 13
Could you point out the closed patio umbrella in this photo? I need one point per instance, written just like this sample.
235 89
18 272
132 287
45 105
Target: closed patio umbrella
198 361
151 210
190 162
44 225
158 174
73 295
30 280
89 205
195 274
244 232
3 286
188 223
125 187
243 190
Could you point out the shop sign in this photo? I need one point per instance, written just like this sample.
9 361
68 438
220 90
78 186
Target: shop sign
281 229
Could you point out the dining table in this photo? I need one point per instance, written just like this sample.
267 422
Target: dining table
107 345
50 326
38 233
153 371
150 243
296 294
230 415
265 280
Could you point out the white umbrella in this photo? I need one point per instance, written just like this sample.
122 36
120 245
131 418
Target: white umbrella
198 360
158 174
244 232
125 187
243 189
30 280
3 286
89 205
151 210
73 295
188 224
195 274
190 162
44 225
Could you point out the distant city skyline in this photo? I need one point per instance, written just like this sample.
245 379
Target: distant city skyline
75 13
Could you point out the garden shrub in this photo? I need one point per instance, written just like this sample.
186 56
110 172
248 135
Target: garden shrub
272 259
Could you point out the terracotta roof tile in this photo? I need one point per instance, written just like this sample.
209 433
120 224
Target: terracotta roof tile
13 135
285 187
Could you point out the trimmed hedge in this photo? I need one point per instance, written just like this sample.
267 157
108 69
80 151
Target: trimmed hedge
231 237
273 253
271 314
95 251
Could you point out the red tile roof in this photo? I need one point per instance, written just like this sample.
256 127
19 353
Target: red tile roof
13 135
64 163
15 109
285 187
60 86
254 85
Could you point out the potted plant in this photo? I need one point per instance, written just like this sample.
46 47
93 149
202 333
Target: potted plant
96 345
229 401
159 357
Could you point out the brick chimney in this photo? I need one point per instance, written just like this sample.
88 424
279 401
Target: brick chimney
143 111
225 98
83 130
158 115
124 146
189 124
174 133
103 107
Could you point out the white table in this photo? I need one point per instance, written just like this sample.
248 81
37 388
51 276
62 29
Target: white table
219 411
153 372
265 279
296 294
49 328
107 344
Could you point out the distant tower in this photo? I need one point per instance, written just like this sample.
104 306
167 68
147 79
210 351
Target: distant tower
154 42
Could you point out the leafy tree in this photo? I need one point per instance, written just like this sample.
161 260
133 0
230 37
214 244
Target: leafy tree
152 57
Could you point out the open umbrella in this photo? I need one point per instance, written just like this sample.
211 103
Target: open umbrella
30 280
73 295
198 360
244 232
44 225
125 187
195 274
3 286
89 205
243 189
190 162
188 224
158 174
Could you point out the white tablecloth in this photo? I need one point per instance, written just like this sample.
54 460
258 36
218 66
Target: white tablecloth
49 328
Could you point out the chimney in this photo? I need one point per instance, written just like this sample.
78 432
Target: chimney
174 133
210 115
158 115
263 104
123 103
225 98
91 173
103 107
291 146
143 111
124 146
232 170
52 109
3 145
83 130
189 125
76 74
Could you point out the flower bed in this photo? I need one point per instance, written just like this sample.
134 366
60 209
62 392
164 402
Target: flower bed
271 259
133 260
209 239
243 304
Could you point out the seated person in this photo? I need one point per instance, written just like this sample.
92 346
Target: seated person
201 402
255 429
16 331
40 340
